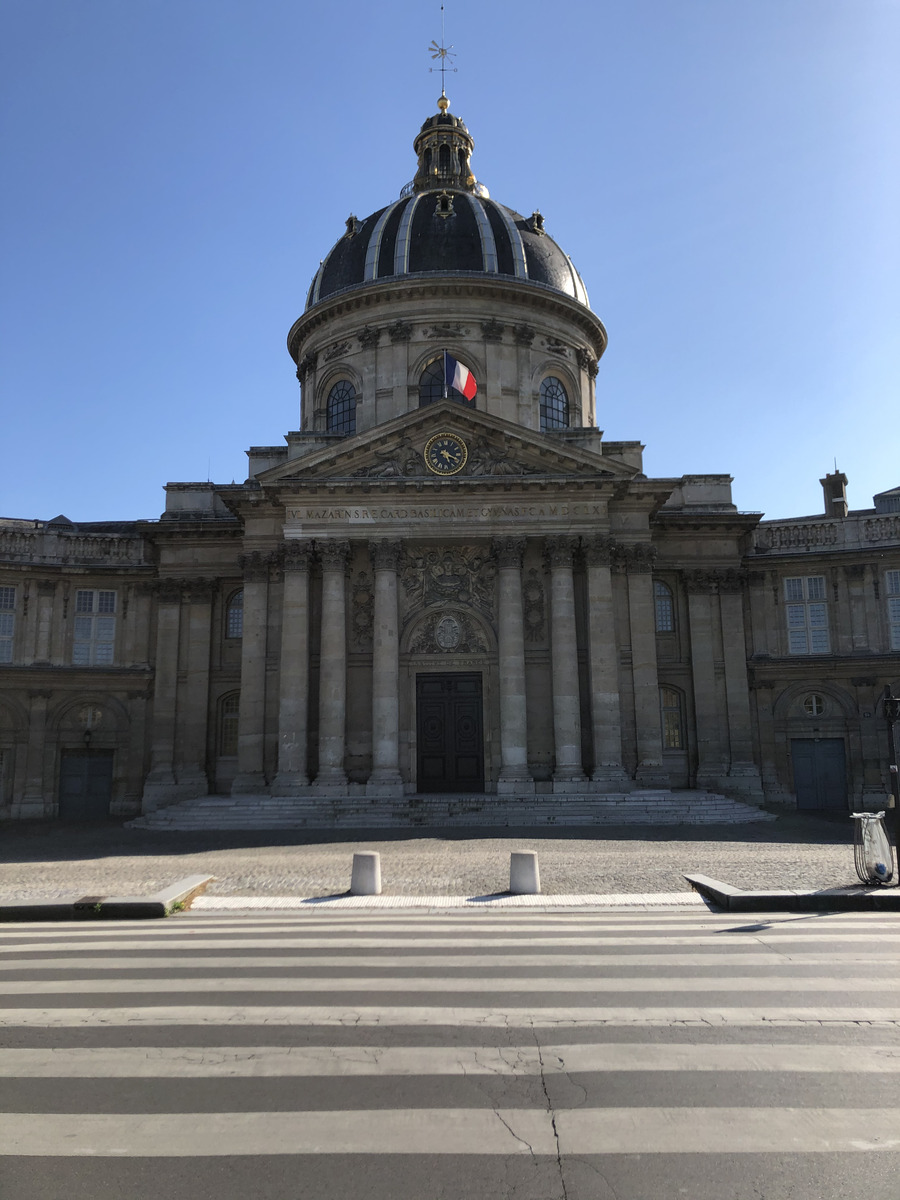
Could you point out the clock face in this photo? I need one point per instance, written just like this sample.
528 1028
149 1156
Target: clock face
445 454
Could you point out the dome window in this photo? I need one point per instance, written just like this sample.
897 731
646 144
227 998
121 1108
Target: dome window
431 386
340 413
554 404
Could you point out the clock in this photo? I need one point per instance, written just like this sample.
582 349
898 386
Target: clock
445 454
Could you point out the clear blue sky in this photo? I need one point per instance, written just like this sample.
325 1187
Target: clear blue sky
726 177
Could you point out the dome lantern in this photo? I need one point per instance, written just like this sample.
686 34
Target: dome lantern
444 147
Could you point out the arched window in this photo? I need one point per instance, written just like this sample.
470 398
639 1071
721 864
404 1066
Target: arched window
670 719
340 412
234 615
665 609
228 725
554 404
431 386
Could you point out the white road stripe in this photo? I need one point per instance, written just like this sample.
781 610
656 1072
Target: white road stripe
426 1015
874 941
498 985
378 1131
456 1131
549 962
268 1062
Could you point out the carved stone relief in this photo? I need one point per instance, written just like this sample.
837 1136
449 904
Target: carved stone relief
400 331
442 576
524 335
368 337
446 331
533 614
491 331
398 461
443 633
336 351
362 612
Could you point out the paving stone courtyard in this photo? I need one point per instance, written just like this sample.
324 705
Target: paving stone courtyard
54 860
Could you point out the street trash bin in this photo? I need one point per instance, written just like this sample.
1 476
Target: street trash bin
871 848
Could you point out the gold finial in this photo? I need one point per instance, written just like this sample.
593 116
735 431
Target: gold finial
443 103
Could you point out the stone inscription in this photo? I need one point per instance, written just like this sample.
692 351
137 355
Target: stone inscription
443 512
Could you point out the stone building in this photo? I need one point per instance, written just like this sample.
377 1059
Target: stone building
425 591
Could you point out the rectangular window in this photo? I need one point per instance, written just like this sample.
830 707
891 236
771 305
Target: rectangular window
892 587
94 629
7 623
807 615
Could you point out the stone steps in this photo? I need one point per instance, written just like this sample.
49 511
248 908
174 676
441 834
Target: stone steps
349 812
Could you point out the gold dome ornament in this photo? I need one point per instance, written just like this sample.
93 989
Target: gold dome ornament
443 103
445 454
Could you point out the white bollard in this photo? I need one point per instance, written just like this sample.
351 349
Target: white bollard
524 876
365 879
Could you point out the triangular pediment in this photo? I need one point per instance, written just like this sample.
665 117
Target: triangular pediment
494 448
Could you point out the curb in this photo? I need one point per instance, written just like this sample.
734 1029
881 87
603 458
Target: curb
112 908
732 899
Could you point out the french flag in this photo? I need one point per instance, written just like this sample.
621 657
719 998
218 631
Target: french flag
459 377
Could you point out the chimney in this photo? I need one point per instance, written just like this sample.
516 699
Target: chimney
835 488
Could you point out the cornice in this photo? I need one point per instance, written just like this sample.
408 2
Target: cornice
409 289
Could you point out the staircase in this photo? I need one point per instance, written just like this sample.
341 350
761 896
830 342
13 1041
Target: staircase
658 807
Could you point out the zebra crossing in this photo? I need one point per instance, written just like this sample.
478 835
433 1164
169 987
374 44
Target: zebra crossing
558 1054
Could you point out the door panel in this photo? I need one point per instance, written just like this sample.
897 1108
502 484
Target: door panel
450 736
820 774
85 784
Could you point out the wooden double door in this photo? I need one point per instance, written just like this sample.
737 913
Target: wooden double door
449 733
85 784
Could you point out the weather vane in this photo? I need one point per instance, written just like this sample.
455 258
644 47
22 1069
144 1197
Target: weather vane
443 53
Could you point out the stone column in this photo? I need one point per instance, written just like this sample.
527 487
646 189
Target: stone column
159 788
639 560
385 778
333 665
293 707
514 773
193 707
743 771
250 776
46 591
711 766
564 666
35 802
606 717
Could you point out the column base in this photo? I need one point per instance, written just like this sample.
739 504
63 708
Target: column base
385 783
571 787
290 783
249 783
331 781
26 809
611 777
651 775
523 786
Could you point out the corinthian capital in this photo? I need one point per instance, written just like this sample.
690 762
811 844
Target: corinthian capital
598 550
509 551
385 555
334 554
560 549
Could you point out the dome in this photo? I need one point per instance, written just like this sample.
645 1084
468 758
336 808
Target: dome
445 223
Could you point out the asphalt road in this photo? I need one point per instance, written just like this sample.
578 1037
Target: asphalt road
454 1056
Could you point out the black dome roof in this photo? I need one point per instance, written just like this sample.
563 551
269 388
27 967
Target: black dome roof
445 232
445 224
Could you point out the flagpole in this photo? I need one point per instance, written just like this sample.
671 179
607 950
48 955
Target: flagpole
444 352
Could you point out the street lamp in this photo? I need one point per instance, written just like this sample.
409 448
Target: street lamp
892 716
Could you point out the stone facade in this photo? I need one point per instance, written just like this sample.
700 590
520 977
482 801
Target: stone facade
530 615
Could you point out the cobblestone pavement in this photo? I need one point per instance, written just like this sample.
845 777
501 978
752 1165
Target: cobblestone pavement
56 861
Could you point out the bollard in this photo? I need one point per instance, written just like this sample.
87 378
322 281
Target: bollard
524 876
365 879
